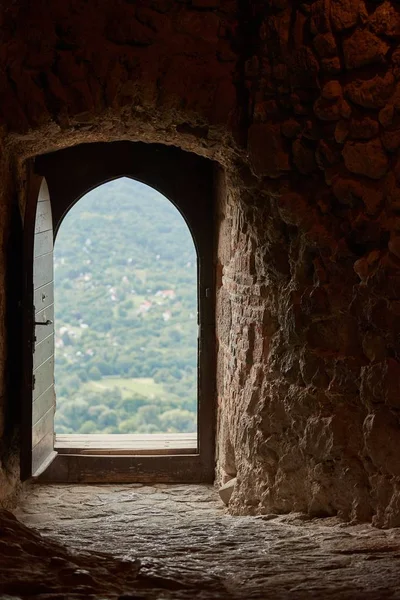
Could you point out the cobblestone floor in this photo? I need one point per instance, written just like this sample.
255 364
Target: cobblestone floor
189 547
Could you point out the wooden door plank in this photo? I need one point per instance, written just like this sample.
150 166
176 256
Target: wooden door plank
43 243
43 427
41 451
42 270
43 377
42 331
43 403
45 464
43 350
43 217
43 296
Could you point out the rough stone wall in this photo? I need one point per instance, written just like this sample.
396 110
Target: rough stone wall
299 103
63 63
309 387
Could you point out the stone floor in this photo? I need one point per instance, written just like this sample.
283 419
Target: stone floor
189 547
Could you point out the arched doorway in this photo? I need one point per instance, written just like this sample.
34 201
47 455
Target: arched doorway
186 180
126 317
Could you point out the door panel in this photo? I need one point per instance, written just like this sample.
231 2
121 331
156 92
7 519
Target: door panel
42 427
43 220
43 351
43 297
42 378
42 331
43 454
43 243
43 394
43 270
42 404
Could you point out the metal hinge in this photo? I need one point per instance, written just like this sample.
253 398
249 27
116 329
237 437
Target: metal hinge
33 382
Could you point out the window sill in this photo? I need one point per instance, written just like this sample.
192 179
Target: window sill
127 444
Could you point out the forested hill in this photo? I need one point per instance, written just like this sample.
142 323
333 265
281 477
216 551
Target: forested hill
125 314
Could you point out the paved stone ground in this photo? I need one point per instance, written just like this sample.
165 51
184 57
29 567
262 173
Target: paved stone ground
189 547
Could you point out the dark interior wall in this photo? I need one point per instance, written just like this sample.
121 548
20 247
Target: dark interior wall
10 319
299 104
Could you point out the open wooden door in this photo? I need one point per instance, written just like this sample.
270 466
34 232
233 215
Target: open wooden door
38 423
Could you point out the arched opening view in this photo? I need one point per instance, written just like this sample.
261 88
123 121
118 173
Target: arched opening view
126 322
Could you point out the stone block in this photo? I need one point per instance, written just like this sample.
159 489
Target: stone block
225 491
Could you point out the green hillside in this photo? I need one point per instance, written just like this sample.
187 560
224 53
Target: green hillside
125 314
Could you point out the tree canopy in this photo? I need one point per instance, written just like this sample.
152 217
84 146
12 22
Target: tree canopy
125 314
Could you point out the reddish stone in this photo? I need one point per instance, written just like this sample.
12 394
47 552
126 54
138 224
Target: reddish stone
225 52
290 128
391 140
331 90
266 150
386 115
394 245
341 131
364 48
369 192
327 110
224 103
294 209
325 45
328 153
345 13
153 19
392 191
395 98
205 3
162 6
367 158
320 22
303 158
386 20
363 129
361 267
372 93
304 69
200 25
123 30
396 63
331 65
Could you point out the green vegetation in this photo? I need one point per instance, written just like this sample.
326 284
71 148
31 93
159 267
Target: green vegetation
126 314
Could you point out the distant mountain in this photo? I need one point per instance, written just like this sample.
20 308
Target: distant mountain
125 314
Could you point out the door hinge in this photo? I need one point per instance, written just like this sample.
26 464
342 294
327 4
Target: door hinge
33 382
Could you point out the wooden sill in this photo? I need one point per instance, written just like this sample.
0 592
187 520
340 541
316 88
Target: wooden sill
127 444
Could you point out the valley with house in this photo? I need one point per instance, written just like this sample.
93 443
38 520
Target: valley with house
125 315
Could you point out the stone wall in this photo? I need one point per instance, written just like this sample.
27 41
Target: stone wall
309 388
299 104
